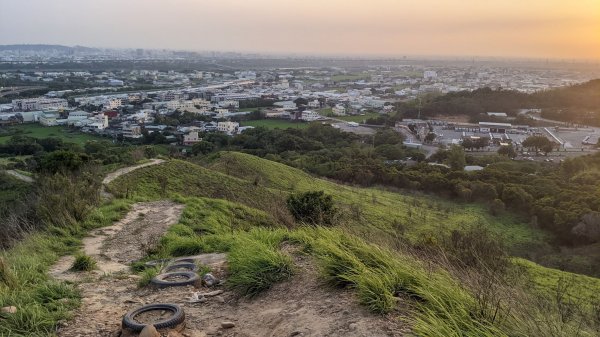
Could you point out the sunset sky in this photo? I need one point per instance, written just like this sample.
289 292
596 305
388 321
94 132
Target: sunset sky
508 28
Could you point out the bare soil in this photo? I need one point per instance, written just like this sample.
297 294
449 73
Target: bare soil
114 175
149 317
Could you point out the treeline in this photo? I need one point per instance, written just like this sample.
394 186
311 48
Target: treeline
569 103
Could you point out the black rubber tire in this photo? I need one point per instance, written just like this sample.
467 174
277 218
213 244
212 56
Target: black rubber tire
183 260
156 263
159 280
182 265
173 321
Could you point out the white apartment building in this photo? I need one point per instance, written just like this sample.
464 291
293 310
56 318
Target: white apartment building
76 116
221 113
339 110
97 122
228 127
48 119
40 103
230 103
113 103
314 104
286 105
429 74
200 102
180 105
310 116
131 130
191 138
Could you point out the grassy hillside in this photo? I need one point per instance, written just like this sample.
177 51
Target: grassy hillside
435 302
11 188
237 205
265 185
374 208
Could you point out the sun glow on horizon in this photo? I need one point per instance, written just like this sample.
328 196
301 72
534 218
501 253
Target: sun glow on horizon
510 28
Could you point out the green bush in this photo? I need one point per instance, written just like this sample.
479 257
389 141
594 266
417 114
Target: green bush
314 208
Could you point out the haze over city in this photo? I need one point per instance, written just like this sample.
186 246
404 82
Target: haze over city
530 29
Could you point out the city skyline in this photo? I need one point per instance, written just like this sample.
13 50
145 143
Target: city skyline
511 29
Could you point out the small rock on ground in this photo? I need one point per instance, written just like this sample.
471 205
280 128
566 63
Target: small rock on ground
227 325
174 333
9 310
149 331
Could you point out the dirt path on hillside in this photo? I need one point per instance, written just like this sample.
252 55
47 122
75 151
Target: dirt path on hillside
114 175
127 240
19 176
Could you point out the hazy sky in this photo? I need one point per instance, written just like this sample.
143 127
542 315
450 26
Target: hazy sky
521 28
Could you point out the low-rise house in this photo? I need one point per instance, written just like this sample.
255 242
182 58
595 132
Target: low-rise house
338 110
309 116
48 119
191 138
229 128
131 130
287 105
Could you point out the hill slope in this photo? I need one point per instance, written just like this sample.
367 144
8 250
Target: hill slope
441 303
265 185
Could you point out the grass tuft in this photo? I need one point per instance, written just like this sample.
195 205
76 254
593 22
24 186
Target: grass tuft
147 275
254 266
7 278
83 263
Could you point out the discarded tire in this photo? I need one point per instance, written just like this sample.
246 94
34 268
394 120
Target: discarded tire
187 278
186 266
184 260
156 263
177 318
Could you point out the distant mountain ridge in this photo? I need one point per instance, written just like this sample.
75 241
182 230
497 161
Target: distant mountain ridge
43 47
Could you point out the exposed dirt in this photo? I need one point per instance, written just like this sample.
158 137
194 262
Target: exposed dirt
114 175
20 176
126 241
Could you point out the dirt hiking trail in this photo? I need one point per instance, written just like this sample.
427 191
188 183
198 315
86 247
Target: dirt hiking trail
114 175
126 241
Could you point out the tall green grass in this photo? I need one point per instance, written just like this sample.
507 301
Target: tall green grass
41 301
255 266
83 263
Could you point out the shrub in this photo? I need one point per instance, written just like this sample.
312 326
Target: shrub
314 208
83 263
476 247
496 207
